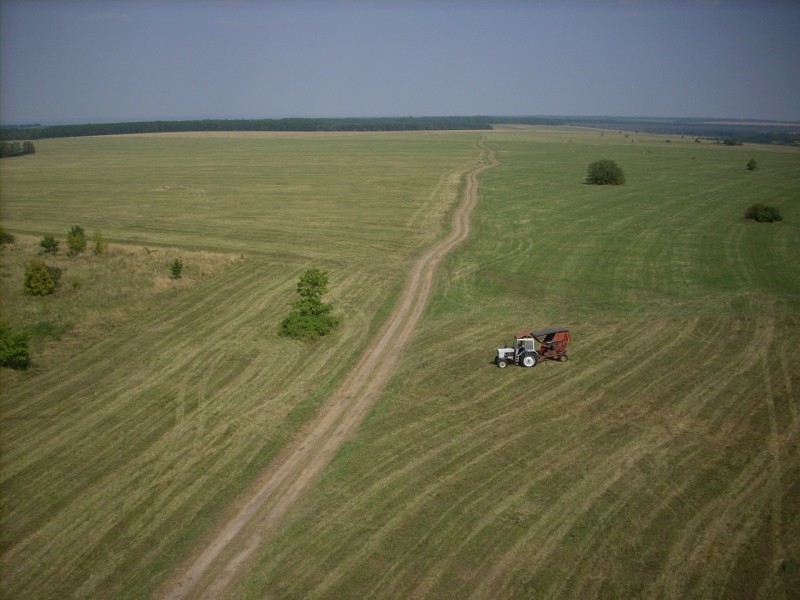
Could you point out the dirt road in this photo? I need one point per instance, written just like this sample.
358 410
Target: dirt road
301 464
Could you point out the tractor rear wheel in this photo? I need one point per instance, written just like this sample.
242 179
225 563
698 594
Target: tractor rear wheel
529 360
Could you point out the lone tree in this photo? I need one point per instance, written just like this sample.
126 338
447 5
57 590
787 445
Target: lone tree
605 172
310 317
752 165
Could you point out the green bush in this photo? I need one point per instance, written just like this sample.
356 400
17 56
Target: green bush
605 172
13 348
76 240
752 165
762 213
49 244
39 279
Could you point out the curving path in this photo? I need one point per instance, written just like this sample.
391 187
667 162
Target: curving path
301 464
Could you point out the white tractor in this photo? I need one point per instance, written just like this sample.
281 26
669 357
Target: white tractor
523 354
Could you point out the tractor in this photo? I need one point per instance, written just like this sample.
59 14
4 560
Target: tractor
552 344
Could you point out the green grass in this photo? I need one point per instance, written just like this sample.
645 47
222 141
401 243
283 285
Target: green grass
660 461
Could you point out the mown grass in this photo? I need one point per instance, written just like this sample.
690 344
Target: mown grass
660 461
152 403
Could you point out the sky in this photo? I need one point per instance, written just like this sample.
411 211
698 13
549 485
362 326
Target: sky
95 61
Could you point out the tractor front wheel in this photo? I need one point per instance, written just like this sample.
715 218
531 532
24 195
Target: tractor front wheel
563 358
529 360
501 362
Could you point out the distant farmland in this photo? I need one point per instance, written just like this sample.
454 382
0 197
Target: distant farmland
660 461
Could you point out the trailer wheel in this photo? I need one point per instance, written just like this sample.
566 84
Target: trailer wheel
529 360
501 362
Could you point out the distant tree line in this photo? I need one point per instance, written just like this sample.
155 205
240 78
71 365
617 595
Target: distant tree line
346 124
728 132
378 124
8 149
722 131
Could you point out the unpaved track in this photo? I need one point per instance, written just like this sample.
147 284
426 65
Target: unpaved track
295 470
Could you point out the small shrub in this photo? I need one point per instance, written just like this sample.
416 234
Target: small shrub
762 213
14 352
49 244
752 165
76 240
39 279
605 172
5 237
176 268
99 243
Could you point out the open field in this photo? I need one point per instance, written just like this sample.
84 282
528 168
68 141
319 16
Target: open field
661 461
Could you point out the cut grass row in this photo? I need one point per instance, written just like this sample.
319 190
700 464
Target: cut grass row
660 461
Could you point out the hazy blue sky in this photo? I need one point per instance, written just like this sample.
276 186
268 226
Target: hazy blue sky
97 61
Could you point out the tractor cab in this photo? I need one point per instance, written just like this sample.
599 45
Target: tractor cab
525 345
552 343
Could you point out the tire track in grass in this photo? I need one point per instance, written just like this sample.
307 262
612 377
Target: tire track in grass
300 466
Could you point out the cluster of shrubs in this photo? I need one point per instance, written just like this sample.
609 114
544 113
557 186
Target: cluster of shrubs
13 344
762 213
41 279
11 149
76 242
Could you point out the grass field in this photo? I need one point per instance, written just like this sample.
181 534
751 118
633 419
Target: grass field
662 460
129 436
